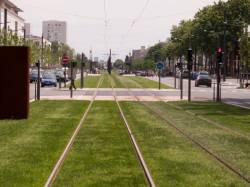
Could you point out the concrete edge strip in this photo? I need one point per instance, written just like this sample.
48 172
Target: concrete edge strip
233 104
137 149
59 163
31 100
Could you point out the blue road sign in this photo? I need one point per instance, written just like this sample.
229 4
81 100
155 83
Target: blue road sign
159 65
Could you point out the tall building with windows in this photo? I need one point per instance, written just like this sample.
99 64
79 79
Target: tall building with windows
55 31
27 29
10 19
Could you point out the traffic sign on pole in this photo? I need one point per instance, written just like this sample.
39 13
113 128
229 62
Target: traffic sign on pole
65 60
159 65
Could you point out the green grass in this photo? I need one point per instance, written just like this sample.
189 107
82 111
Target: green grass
229 116
120 82
89 82
30 148
172 159
231 147
102 154
106 83
136 82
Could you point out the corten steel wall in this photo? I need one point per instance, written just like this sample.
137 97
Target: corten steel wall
14 85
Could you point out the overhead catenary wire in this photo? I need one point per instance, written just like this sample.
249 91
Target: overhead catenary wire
134 21
105 22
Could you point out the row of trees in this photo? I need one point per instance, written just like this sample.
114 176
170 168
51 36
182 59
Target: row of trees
52 54
223 24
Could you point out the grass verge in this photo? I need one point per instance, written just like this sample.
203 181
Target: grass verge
102 154
30 148
172 159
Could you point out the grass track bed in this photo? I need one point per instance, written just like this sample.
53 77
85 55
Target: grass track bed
89 82
232 148
172 159
136 82
232 117
30 148
102 154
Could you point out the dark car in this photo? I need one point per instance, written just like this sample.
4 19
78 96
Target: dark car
194 75
185 74
49 79
203 80
60 75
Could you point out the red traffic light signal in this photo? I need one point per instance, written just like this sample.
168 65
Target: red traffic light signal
219 53
219 50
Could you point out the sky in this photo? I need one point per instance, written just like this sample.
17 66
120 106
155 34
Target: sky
120 25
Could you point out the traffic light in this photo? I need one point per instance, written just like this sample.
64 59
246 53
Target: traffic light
190 58
178 65
219 54
37 64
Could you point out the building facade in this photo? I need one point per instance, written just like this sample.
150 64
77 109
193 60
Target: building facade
10 19
55 31
139 53
38 40
27 29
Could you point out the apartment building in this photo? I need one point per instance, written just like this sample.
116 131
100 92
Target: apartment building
27 29
139 53
10 19
38 40
55 31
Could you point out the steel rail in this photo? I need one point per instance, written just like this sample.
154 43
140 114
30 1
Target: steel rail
217 124
67 149
196 142
133 141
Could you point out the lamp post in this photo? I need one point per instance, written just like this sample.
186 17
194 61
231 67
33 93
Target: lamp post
225 48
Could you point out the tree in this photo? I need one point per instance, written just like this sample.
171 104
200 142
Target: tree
119 64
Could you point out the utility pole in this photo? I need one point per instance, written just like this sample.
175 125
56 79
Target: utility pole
219 62
190 65
24 36
181 78
91 61
42 58
82 71
225 48
175 76
38 80
109 65
5 28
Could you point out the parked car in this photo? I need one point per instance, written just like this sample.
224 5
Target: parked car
185 74
60 76
194 75
49 79
34 76
140 73
203 73
203 80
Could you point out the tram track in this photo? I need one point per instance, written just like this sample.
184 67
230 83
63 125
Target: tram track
139 154
67 149
217 124
196 142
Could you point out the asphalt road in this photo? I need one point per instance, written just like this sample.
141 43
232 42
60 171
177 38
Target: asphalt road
230 92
